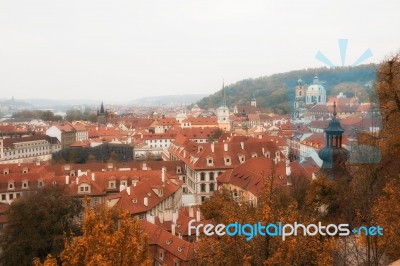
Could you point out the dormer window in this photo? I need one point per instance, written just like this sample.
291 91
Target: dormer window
25 184
210 161
178 169
11 185
111 184
25 170
134 200
160 192
268 155
227 160
6 171
84 188
241 158
40 183
254 155
124 183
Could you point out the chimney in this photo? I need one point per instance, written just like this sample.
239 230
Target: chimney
198 215
144 166
173 228
77 180
263 151
242 145
184 153
212 147
225 146
191 214
134 183
146 201
288 170
163 170
128 190
260 136
67 179
37 162
93 177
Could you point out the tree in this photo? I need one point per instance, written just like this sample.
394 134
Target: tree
274 205
37 223
109 237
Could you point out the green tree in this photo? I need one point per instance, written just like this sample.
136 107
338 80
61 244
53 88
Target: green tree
37 224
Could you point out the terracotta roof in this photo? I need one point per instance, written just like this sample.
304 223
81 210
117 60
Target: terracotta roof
196 155
174 245
149 186
253 174
9 142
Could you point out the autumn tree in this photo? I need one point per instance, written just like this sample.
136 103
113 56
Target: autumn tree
109 237
37 223
274 204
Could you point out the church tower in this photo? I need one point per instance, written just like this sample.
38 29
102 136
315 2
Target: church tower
223 113
253 101
299 102
334 156
102 115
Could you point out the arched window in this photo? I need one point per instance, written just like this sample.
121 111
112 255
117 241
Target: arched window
211 174
212 187
203 187
202 176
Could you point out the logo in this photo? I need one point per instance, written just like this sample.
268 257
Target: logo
281 230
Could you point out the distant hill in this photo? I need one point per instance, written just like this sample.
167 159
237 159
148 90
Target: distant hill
168 100
272 91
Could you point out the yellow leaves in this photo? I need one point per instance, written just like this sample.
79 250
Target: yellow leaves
109 238
50 261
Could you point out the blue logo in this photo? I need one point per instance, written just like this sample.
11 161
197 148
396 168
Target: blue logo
343 52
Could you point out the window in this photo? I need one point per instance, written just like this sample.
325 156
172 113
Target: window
203 187
11 196
11 185
161 254
3 197
81 189
211 176
202 176
203 199
212 186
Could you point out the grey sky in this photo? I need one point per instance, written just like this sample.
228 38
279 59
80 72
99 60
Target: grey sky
121 50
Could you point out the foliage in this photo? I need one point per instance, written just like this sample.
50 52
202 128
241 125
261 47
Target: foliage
101 153
75 115
37 222
275 91
37 114
110 237
273 205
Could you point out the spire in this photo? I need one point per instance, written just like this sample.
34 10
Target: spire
102 108
334 110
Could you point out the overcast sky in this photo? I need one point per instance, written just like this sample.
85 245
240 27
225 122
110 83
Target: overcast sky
121 50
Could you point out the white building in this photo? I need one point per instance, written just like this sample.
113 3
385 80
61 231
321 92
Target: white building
28 149
316 93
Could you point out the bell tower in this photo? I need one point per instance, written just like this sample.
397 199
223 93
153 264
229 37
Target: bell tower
334 156
299 102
